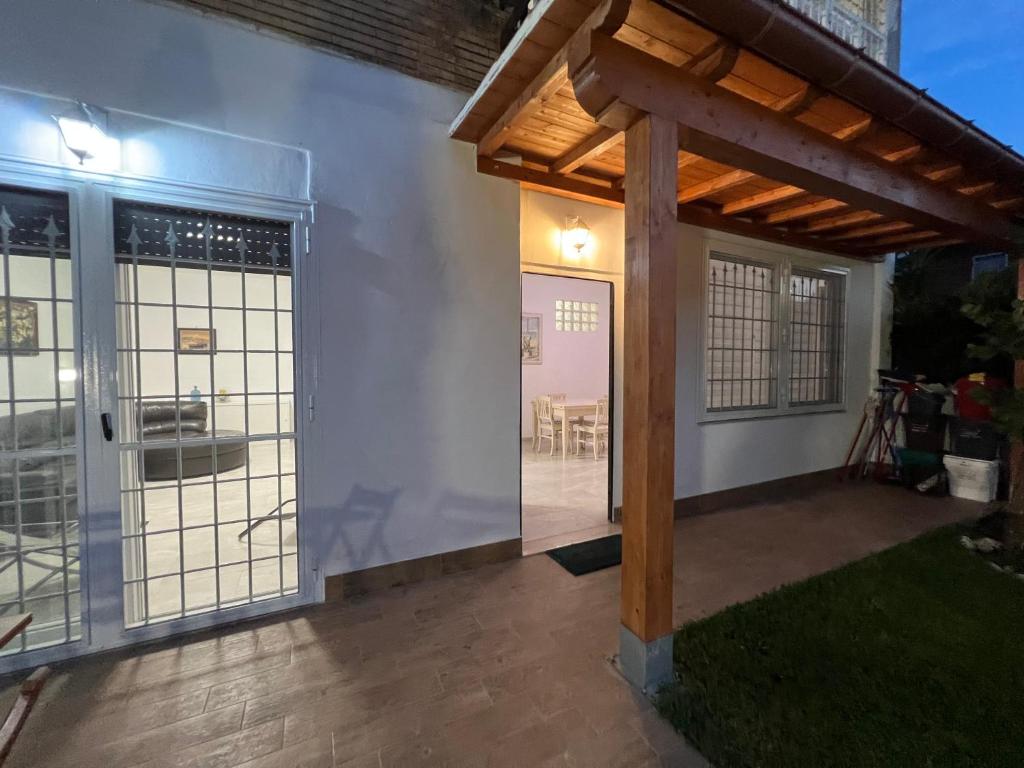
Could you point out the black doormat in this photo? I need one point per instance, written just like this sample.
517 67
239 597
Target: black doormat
589 556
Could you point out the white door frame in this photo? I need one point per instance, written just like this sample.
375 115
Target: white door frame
91 197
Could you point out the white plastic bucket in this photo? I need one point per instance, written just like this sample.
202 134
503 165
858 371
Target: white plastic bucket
972 479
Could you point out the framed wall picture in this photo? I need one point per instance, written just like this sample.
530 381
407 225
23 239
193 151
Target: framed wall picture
23 318
197 341
530 346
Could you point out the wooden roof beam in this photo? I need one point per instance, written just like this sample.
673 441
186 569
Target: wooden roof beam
795 105
614 81
787 192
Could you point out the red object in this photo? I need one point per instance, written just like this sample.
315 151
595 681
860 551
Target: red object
969 408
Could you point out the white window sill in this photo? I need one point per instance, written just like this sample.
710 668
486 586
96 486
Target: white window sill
716 417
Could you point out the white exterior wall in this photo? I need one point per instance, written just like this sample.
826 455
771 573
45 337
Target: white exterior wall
417 260
715 456
415 253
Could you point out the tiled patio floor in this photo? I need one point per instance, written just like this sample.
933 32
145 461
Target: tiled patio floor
503 666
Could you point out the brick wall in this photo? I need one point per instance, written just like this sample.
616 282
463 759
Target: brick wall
450 42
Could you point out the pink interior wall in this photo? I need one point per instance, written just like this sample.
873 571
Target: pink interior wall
573 362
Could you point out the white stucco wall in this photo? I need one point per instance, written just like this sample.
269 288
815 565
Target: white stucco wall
719 455
416 255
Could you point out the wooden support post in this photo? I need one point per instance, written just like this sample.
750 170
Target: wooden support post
648 441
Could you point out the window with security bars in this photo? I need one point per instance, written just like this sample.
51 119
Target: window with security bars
772 342
741 345
816 337
206 386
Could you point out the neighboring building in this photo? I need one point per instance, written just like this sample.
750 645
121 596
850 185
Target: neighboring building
873 25
290 271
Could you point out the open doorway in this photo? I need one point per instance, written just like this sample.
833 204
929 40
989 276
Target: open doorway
566 435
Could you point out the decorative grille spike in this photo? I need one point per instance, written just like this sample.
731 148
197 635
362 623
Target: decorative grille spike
241 246
275 254
52 232
6 225
208 238
134 241
171 238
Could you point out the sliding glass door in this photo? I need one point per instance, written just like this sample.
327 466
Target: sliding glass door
148 431
205 380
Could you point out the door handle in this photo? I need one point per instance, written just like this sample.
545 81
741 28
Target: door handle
108 428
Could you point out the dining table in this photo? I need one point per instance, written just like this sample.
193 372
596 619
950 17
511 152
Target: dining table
569 409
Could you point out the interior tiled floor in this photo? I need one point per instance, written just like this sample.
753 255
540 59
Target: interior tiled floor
507 665
564 500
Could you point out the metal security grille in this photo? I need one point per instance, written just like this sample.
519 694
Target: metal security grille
741 352
817 334
39 555
205 377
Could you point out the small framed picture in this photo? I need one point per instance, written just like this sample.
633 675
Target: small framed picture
530 340
197 341
23 319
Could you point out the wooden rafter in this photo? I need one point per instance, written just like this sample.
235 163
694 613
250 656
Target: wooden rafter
844 220
874 230
614 196
614 81
601 141
544 86
761 199
804 211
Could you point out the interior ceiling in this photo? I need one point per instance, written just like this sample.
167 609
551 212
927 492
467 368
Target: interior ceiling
561 144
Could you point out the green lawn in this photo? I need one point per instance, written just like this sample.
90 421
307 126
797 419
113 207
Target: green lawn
913 657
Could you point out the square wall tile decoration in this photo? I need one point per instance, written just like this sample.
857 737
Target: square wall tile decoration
579 316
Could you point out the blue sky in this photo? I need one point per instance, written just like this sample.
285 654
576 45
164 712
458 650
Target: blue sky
969 54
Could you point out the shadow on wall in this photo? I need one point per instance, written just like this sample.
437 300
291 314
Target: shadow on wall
358 527
478 519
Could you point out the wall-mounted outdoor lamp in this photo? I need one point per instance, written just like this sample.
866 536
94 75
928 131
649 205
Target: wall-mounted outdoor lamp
82 132
575 236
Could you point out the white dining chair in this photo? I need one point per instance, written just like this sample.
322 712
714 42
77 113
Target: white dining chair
548 428
596 430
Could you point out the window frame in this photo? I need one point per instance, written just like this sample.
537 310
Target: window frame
979 258
783 262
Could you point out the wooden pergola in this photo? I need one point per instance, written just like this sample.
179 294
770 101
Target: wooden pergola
736 115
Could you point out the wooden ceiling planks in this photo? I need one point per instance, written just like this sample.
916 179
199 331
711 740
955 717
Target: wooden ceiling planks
528 106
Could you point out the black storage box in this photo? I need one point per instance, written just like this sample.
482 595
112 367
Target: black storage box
927 434
975 439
